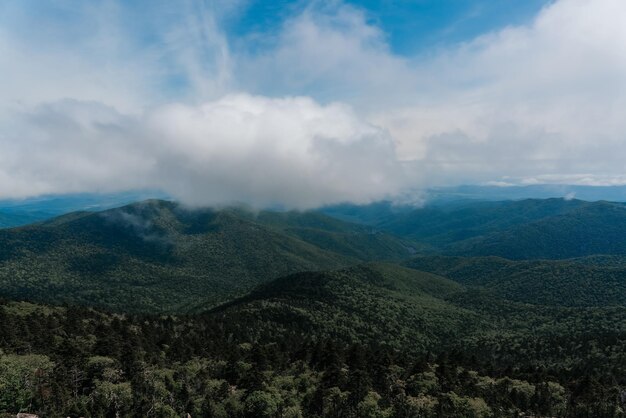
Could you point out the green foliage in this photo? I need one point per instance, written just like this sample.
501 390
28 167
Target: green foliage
161 257
382 302
257 334
253 357
24 381
525 229
593 228
443 225
578 282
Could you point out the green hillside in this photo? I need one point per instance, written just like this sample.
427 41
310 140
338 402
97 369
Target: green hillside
159 256
578 282
417 310
593 228
373 340
352 240
278 316
441 225
525 229
374 302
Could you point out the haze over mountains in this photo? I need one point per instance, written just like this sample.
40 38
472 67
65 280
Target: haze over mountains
15 212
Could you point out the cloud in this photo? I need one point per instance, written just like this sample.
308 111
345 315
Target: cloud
128 55
328 50
544 98
532 100
114 95
289 151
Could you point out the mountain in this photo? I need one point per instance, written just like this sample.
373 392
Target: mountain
454 208
11 218
17 212
349 239
416 312
443 225
233 362
575 283
590 228
441 195
525 229
373 339
161 256
239 313
449 302
373 302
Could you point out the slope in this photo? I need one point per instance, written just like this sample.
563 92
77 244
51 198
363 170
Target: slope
12 218
591 228
159 256
352 240
385 303
583 282
442 225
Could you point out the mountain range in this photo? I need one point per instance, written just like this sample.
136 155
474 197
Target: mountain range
464 308
161 256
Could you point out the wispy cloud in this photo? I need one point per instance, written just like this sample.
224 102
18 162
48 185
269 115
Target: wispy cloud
107 96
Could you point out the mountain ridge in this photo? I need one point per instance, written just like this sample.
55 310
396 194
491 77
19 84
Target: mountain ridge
156 254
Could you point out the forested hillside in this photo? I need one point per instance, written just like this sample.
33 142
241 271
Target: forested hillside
403 308
577 282
443 225
594 228
369 341
524 229
159 256
155 309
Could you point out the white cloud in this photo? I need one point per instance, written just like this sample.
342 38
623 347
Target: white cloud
241 148
92 105
543 98
330 51
546 98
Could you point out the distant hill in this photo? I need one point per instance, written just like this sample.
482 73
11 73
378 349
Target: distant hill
18 212
12 218
372 214
467 195
524 229
576 283
160 256
440 226
590 228
534 191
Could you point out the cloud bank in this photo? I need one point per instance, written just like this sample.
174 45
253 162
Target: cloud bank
291 152
318 110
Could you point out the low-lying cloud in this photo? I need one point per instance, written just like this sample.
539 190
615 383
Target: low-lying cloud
290 151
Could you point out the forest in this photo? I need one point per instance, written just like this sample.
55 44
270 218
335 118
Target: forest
154 310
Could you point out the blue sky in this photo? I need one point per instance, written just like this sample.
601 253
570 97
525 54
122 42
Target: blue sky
411 26
299 104
408 28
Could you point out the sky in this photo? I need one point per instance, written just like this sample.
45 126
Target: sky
301 104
